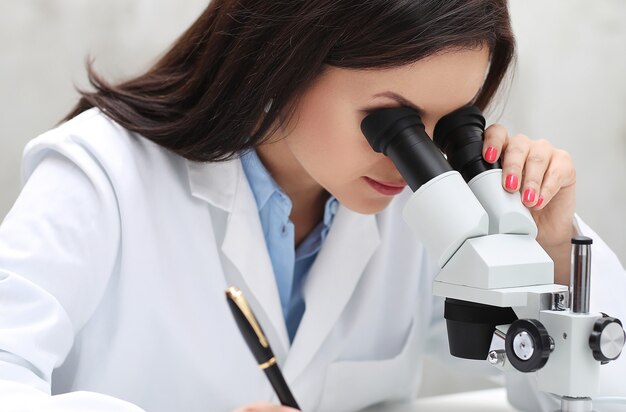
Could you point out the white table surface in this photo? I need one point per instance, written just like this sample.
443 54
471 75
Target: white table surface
491 400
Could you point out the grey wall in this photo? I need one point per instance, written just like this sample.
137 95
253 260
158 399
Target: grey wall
569 86
43 48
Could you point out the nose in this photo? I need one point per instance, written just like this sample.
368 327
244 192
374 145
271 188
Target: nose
391 171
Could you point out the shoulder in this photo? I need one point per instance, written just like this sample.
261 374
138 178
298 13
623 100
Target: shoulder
90 130
133 166
93 141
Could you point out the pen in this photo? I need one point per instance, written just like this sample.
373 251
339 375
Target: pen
258 344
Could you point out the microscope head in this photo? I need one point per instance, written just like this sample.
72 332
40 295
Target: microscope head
443 211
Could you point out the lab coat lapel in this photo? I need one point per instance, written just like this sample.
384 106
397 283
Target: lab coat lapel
226 187
351 242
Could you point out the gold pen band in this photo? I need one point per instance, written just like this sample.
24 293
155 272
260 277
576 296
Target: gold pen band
269 363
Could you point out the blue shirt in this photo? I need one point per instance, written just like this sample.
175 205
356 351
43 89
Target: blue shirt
290 265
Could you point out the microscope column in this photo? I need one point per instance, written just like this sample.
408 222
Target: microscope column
580 279
579 301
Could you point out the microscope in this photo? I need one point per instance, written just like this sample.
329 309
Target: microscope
502 304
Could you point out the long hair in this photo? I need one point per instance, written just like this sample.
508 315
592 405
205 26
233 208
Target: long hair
205 98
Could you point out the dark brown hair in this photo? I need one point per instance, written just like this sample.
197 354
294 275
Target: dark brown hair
205 98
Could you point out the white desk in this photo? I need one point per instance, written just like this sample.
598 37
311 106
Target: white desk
492 400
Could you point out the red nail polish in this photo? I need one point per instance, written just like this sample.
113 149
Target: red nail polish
491 154
539 201
529 195
511 182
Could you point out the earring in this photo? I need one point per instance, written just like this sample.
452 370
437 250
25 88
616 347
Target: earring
268 106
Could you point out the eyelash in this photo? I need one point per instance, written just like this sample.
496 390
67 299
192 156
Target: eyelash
369 111
374 109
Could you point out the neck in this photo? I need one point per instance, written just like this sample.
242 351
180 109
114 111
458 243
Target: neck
308 197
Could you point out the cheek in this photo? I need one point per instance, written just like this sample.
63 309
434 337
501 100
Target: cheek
329 144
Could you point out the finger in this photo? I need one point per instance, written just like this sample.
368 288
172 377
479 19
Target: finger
539 156
559 174
264 407
515 152
495 136
254 407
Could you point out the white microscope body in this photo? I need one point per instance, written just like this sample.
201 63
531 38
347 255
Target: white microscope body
493 259
483 240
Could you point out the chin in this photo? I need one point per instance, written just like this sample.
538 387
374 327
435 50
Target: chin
367 206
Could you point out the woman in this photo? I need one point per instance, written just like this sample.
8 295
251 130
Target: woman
238 160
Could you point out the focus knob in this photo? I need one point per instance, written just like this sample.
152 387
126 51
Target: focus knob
528 345
607 339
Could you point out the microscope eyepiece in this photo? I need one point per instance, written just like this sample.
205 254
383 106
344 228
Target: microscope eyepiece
460 136
399 133
382 126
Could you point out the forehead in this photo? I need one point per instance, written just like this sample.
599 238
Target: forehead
438 84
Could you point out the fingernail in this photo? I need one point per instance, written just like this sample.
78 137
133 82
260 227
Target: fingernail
539 201
511 182
529 195
491 154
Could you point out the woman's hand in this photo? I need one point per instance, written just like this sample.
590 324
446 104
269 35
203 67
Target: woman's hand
264 407
545 177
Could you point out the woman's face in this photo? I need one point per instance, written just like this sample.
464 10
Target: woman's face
323 144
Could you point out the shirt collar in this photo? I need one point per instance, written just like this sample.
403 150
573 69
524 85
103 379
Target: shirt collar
261 182
332 204
264 186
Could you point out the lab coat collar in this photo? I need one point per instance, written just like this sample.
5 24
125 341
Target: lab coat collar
224 185
352 240
215 183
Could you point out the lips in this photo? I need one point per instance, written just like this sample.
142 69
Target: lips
385 188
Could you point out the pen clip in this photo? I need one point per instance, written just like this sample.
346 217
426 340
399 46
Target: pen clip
236 296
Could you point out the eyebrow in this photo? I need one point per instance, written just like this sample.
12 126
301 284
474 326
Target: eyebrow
400 99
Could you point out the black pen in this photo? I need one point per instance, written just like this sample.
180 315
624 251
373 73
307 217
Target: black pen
258 344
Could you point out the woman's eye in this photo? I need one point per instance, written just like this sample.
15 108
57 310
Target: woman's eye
368 111
375 109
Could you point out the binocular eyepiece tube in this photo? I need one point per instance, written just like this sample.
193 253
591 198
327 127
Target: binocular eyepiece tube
460 136
399 133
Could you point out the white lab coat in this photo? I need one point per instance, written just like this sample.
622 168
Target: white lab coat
113 266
